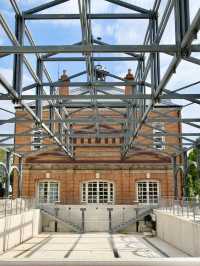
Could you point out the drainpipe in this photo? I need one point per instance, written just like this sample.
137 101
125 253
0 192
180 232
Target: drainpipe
8 166
174 166
198 158
20 178
185 175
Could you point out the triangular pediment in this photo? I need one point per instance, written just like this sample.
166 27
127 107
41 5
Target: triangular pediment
48 156
140 155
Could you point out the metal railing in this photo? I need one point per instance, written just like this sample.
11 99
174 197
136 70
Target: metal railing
185 207
10 206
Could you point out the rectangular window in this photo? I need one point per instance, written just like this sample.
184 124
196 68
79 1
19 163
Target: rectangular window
121 140
36 139
98 140
84 192
148 192
97 192
48 192
53 192
158 136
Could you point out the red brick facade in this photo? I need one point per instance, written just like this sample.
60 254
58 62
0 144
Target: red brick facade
99 158
70 180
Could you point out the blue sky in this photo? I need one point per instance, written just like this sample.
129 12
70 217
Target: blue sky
111 31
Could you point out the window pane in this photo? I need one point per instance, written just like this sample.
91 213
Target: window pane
53 192
158 135
98 192
48 192
148 192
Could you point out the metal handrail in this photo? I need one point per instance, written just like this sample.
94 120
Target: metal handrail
13 206
188 207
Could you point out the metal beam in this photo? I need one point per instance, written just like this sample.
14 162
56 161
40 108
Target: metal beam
44 6
162 48
89 16
136 107
188 97
28 109
102 134
95 59
18 58
174 167
185 43
8 176
108 119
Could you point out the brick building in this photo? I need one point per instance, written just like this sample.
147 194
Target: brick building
98 174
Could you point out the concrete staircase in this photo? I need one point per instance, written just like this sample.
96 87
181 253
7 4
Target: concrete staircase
47 211
140 215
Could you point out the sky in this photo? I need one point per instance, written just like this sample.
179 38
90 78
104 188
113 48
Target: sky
110 31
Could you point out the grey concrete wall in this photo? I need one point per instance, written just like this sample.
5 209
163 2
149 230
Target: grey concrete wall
96 217
15 229
179 232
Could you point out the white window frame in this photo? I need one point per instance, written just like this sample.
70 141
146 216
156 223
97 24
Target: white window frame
86 183
148 182
48 192
156 135
34 137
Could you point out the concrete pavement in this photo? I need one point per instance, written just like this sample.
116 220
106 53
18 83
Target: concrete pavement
145 262
100 247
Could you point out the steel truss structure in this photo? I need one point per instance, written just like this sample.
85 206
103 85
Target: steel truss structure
95 94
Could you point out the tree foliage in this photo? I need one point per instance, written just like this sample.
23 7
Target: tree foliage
2 171
2 155
193 180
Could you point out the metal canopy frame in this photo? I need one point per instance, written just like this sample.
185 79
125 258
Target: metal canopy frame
133 110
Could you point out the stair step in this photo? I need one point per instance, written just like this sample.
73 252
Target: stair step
66 223
140 216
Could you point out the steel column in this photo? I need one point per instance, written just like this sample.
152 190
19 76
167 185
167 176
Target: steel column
20 178
198 158
39 88
8 166
18 58
174 167
185 174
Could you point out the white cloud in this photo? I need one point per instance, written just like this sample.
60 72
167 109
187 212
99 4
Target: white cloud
8 74
70 7
186 73
100 6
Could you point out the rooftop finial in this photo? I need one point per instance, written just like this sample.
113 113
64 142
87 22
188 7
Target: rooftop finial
64 75
129 75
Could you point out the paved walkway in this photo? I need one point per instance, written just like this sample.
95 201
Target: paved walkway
89 247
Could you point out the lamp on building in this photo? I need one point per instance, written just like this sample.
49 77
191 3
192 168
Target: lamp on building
148 175
97 175
48 175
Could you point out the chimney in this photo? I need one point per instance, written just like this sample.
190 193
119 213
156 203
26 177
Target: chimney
64 88
129 89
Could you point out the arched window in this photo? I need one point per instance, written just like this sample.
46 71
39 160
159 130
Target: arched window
48 191
97 192
148 192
